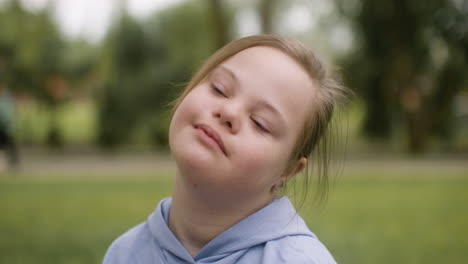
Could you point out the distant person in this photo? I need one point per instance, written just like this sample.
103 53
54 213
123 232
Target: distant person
242 129
7 122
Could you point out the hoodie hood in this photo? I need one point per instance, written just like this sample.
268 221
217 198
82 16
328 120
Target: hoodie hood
274 221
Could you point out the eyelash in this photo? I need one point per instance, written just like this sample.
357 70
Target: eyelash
217 90
259 126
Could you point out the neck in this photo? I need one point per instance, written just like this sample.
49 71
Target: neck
195 222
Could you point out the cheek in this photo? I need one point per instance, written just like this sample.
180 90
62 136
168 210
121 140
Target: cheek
174 126
186 110
183 115
262 164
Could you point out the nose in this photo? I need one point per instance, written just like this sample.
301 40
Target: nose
228 116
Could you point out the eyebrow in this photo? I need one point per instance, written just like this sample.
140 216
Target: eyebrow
270 107
228 71
261 102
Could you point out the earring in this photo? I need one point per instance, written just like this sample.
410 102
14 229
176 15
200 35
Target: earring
278 186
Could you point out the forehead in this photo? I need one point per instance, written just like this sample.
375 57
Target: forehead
270 66
275 77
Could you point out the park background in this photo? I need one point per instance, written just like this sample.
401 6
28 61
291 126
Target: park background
84 93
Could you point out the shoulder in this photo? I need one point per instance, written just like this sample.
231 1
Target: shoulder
300 248
129 245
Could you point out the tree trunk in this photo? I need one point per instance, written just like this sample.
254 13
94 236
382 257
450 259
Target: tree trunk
266 15
377 123
412 101
218 20
440 107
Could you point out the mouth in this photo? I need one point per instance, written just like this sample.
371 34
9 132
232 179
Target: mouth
213 135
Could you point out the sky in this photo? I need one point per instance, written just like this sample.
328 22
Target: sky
91 18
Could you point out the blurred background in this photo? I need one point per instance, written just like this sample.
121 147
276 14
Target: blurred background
84 94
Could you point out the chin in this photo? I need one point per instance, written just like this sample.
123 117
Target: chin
191 159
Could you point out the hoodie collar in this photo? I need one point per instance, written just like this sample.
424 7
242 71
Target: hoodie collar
276 220
159 227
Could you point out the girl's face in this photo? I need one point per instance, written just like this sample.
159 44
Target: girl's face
233 134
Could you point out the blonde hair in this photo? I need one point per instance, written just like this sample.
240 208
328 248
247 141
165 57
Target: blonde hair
330 93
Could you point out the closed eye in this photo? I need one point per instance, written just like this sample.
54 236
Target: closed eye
217 90
259 125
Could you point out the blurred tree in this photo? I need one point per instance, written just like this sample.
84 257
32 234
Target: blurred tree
451 24
266 10
219 23
117 105
397 65
143 62
35 62
81 65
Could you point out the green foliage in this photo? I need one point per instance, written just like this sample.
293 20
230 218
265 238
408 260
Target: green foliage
36 63
31 49
389 218
187 32
147 60
76 122
81 65
409 65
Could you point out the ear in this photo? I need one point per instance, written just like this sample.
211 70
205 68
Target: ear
298 167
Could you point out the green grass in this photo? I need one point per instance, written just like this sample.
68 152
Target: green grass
60 220
368 219
396 220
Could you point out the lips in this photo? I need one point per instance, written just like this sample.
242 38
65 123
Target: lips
212 134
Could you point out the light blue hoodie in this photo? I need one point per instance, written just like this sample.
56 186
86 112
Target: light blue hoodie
275 234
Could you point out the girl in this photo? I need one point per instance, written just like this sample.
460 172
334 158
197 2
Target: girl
243 127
